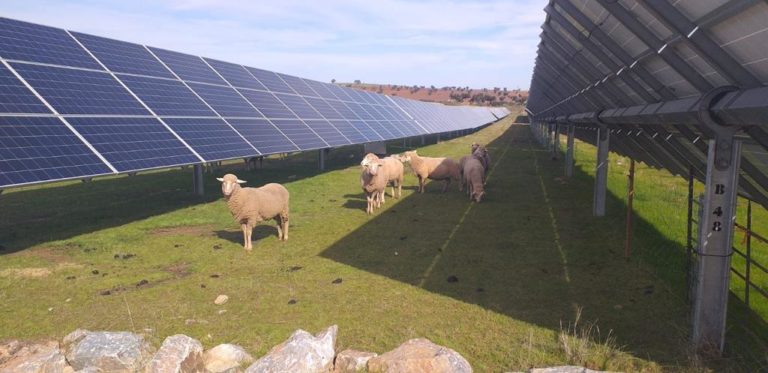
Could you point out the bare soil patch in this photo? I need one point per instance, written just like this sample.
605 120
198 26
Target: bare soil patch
194 230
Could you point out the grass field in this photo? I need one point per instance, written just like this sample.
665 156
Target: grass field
535 280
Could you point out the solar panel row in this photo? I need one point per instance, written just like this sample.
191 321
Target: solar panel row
78 105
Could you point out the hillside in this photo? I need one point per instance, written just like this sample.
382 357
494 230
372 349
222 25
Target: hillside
447 95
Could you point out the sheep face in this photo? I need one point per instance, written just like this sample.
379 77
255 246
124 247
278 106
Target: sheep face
478 196
229 183
406 157
368 159
474 147
373 167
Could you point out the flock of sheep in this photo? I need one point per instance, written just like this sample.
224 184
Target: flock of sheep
250 206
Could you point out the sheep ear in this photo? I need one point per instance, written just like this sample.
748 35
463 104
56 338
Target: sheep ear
241 181
220 179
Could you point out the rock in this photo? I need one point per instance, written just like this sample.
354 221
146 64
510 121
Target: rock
19 357
420 355
563 369
226 358
221 299
301 353
106 351
178 354
349 361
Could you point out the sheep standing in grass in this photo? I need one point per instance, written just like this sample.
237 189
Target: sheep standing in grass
445 169
485 158
393 168
373 181
250 206
474 173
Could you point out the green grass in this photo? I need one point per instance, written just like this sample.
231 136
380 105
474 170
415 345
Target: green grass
540 281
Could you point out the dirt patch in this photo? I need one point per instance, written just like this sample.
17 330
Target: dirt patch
194 230
25 272
179 270
52 254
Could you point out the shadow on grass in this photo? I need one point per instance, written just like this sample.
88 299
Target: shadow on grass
59 211
531 251
261 231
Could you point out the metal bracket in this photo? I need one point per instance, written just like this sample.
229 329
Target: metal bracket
603 126
723 133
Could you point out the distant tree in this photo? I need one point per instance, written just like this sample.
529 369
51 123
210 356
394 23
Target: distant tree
357 81
333 81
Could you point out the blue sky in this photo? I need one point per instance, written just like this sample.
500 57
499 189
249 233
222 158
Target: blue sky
425 42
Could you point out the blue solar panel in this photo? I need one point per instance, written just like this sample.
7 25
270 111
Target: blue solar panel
131 144
366 130
225 100
327 132
340 92
321 89
167 97
360 111
300 134
323 108
236 75
298 85
299 106
35 149
380 99
388 127
30 42
270 80
263 135
349 131
15 97
188 67
383 112
72 91
267 104
123 57
343 109
212 138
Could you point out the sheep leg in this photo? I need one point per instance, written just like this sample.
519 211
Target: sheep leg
284 218
250 237
381 196
399 189
447 183
243 227
421 184
279 222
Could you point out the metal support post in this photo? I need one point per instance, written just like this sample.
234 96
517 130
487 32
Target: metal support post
715 242
569 151
197 179
422 140
555 141
748 237
689 235
322 155
438 139
630 199
601 172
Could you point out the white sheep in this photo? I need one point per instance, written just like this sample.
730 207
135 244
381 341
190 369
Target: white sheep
474 173
433 168
250 206
393 168
485 158
374 182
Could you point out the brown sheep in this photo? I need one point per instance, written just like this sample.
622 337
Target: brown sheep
474 173
393 168
445 169
250 206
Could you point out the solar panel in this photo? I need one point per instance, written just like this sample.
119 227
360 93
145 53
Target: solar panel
300 107
298 85
267 104
349 131
167 97
236 75
270 80
321 89
72 91
263 135
212 138
300 134
24 41
226 101
36 149
122 57
15 97
323 108
131 144
366 130
188 67
327 132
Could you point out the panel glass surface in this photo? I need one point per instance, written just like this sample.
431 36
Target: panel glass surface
212 138
25 41
349 131
131 144
300 134
270 80
188 67
236 75
15 97
267 104
263 135
300 107
327 132
167 97
298 85
72 91
123 57
225 100
36 149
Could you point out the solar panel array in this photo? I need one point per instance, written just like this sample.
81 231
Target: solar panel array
647 70
74 105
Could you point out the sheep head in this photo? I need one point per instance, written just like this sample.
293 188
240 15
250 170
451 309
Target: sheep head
474 147
373 167
406 157
478 196
368 159
229 183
